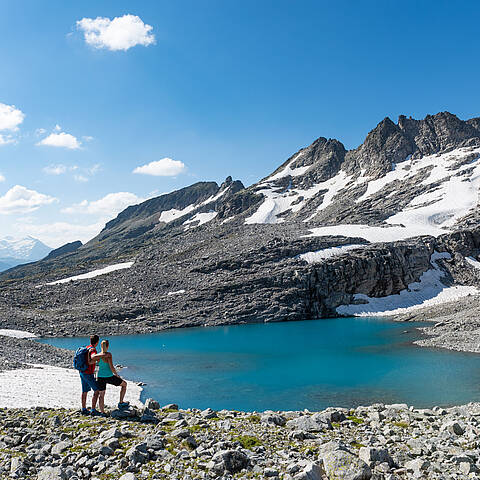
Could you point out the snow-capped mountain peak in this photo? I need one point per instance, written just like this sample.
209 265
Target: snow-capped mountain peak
417 177
23 248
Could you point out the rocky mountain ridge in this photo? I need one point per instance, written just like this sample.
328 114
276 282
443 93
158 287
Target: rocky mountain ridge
403 204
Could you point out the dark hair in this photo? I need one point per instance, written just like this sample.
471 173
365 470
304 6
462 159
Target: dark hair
94 339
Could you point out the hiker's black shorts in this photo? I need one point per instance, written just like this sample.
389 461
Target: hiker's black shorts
113 380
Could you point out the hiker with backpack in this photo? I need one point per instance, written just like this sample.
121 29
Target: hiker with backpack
84 361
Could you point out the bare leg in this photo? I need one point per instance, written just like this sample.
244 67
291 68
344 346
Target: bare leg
94 399
84 399
123 390
101 401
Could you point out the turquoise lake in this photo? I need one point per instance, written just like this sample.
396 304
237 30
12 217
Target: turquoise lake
294 365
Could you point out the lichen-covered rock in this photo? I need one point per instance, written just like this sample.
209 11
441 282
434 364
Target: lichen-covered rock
52 473
343 465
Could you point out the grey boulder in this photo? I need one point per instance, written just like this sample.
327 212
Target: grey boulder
51 473
314 423
231 461
343 465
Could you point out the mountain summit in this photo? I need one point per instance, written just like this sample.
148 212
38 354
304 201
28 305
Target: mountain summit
330 232
15 251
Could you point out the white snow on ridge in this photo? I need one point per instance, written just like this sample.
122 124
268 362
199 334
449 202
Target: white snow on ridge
7 332
177 292
377 234
474 263
319 255
288 170
452 192
93 273
213 198
169 215
201 218
431 213
276 203
428 291
440 166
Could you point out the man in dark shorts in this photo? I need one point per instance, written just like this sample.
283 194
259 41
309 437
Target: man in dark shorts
88 377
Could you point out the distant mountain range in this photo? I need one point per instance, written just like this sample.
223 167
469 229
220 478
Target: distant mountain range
331 231
16 251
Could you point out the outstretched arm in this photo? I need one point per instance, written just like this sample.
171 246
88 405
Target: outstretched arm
95 357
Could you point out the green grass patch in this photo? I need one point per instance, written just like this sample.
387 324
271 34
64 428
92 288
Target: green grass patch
401 424
355 419
356 445
197 428
248 441
254 418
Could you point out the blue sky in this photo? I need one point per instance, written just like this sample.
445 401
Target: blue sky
219 87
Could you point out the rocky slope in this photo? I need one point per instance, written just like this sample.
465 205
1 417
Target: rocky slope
379 229
379 442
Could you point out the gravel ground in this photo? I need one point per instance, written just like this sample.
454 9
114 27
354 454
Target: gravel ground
19 352
456 325
378 442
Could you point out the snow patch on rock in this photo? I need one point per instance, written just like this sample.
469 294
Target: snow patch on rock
428 291
320 255
94 273
176 292
201 218
168 216
7 332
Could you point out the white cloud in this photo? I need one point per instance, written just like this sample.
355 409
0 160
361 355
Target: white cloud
110 205
166 167
2 178
10 117
61 139
20 199
94 169
87 138
55 169
6 139
59 233
80 178
121 33
57 128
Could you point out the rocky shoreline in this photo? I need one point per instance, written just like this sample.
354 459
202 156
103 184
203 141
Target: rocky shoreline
455 325
20 352
378 442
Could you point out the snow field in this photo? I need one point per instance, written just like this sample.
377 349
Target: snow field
168 216
201 218
7 332
53 387
94 273
474 263
319 255
452 192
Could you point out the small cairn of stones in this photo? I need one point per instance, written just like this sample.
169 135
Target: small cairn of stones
377 442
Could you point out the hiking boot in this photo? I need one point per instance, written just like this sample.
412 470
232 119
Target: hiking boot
96 413
123 405
85 411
